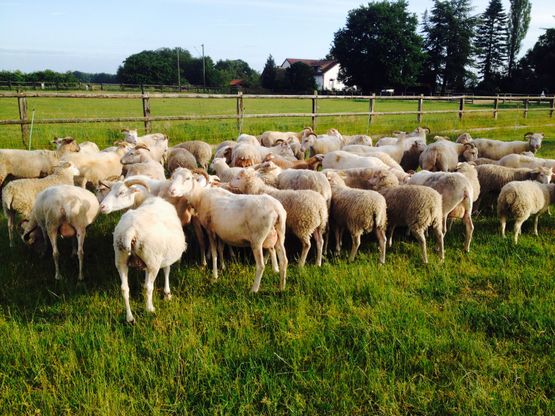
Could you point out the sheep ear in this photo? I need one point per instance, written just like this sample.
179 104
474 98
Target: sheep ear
528 134
201 180
125 130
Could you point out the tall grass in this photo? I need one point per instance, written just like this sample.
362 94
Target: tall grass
472 335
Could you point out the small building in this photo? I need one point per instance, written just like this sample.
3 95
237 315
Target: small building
326 72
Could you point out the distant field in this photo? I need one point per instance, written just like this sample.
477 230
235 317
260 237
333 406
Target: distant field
472 335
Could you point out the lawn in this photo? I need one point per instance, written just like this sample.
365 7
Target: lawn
472 335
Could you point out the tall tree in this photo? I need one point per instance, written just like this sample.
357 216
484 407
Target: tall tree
534 73
448 31
301 77
268 77
379 47
519 21
491 42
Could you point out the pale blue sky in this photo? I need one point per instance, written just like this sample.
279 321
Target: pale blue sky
97 36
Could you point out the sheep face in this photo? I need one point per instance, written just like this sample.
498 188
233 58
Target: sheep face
131 136
217 161
544 175
119 197
183 182
534 140
470 152
464 138
307 141
136 155
69 167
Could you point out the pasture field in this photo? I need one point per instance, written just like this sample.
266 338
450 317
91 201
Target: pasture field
472 335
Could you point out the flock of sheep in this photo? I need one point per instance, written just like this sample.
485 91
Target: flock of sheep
263 187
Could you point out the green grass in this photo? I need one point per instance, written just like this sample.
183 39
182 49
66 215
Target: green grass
472 335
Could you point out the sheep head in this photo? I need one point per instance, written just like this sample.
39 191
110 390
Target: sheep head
464 138
131 136
184 181
121 195
470 152
534 140
70 167
542 174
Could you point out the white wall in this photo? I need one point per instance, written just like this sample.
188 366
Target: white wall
331 81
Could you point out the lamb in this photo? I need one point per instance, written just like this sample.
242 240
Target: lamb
156 142
199 149
493 177
443 155
33 163
456 191
222 170
140 161
181 158
496 149
18 197
417 207
311 163
522 199
269 138
307 211
149 237
358 210
340 159
257 221
64 210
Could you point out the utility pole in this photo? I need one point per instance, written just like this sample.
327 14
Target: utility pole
203 68
178 71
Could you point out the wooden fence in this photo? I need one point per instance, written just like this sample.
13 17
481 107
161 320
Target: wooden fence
240 114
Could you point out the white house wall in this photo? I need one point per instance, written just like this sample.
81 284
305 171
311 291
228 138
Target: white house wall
331 80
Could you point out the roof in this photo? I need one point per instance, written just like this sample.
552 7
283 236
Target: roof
235 82
319 65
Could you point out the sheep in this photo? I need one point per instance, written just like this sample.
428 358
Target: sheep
485 161
247 138
327 143
64 210
84 147
268 138
443 155
456 191
257 221
224 150
222 170
269 173
305 179
156 142
362 151
118 144
149 237
19 196
493 177
523 161
311 163
418 207
96 167
307 212
181 158
396 150
33 163
199 149
522 199
358 139
140 161
496 149
418 135
367 178
340 159
359 211
245 155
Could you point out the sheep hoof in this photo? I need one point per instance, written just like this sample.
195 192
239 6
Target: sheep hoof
131 320
58 276
167 296
81 277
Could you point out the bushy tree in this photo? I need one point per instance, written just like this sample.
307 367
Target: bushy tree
491 43
268 77
237 69
519 21
534 72
379 47
300 77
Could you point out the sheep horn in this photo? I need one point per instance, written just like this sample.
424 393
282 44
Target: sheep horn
528 134
125 130
142 146
105 184
136 181
201 172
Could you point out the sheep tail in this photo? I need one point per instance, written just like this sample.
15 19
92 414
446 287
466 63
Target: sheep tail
126 241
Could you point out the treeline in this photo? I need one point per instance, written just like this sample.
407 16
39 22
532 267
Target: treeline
55 77
452 50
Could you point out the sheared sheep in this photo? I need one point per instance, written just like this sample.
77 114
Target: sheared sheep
496 149
443 155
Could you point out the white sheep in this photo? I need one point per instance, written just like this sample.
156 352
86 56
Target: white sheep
255 221
443 155
64 210
418 135
140 161
156 142
524 161
18 197
340 159
200 150
520 199
222 170
496 149
269 138
358 210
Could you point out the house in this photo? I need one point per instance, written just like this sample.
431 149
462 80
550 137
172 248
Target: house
326 72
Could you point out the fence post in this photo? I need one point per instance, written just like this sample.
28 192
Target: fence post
461 107
552 107
240 109
420 105
526 108
22 104
314 110
146 112
495 106
371 106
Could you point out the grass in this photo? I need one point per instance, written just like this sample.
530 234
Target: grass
474 335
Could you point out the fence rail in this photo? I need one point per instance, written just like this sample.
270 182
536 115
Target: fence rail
240 114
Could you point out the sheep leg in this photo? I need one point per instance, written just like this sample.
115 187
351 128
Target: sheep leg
10 215
214 254
419 235
439 241
80 251
121 265
304 253
282 257
537 217
355 238
503 221
391 230
275 265
53 237
518 229
150 277
338 231
327 236
469 230
259 258
199 234
319 245
382 239
444 224
167 291
221 253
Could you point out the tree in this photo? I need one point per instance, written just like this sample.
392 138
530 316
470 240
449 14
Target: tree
268 77
237 69
379 47
491 43
519 21
449 30
301 77
534 73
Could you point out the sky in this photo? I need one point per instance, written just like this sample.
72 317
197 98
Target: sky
97 36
